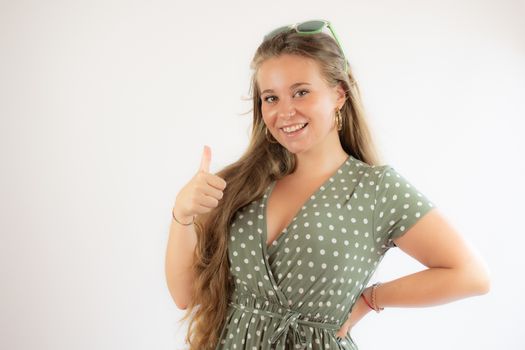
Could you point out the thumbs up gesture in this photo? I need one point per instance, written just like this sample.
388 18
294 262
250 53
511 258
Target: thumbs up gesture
202 193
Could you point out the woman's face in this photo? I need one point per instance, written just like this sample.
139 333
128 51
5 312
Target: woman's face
293 93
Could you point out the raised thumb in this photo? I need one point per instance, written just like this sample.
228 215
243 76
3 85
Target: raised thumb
206 159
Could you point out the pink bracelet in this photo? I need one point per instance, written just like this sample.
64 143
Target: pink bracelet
366 301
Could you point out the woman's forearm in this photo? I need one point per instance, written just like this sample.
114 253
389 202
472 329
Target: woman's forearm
179 260
431 287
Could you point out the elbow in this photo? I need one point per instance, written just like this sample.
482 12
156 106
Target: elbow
181 306
484 280
484 284
180 301
479 277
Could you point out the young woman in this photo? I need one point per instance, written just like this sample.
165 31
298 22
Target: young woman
275 251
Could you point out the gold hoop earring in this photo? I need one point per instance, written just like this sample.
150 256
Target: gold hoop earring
267 139
338 119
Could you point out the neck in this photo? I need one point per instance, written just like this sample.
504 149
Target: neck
318 163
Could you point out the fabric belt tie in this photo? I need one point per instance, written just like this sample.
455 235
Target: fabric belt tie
289 322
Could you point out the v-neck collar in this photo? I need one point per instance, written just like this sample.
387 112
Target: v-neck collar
312 196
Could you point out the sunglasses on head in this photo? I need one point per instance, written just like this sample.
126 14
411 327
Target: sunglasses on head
309 27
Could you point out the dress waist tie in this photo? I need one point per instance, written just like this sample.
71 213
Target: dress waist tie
289 322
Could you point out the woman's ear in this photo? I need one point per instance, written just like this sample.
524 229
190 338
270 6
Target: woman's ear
341 95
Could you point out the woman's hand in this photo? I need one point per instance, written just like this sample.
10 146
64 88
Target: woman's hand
202 193
359 310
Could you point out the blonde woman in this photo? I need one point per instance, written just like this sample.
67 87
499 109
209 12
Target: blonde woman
276 250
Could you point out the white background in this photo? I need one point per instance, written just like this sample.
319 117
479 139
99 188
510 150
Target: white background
105 107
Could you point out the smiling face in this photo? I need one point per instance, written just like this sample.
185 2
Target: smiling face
293 93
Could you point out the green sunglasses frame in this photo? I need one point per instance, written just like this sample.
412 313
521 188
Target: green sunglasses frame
316 26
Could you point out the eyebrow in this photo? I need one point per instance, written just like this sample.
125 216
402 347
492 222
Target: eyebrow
291 87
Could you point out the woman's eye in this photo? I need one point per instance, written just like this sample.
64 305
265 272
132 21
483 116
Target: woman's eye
302 91
266 99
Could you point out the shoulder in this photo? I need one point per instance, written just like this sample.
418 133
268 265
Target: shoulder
370 173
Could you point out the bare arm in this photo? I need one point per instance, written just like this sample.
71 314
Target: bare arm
199 196
179 259
454 270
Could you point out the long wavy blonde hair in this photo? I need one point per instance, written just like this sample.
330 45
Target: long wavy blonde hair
248 177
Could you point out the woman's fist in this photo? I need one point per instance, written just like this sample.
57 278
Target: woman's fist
202 193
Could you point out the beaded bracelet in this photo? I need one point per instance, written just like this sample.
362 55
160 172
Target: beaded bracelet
173 215
374 300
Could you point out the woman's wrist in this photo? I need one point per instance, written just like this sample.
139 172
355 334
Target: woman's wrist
367 296
181 218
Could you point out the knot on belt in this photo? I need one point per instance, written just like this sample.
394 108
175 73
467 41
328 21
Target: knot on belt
289 322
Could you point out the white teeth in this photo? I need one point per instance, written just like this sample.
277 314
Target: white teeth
293 128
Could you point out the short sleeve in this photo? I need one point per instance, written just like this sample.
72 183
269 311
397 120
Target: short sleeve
398 206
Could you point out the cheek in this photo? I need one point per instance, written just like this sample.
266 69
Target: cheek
267 121
264 110
325 111
316 106
268 115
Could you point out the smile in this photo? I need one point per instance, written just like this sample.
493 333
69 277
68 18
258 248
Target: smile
294 130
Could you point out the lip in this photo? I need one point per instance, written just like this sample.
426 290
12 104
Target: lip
286 126
295 133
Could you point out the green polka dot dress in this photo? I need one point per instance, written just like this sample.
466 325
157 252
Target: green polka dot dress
298 292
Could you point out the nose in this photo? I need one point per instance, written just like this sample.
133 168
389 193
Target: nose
287 112
286 107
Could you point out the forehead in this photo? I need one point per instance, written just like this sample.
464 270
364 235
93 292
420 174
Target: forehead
279 73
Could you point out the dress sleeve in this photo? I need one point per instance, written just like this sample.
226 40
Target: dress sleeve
398 205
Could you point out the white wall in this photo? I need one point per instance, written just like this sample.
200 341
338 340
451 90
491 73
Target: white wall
105 107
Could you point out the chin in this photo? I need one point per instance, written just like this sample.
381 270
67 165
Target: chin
295 150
